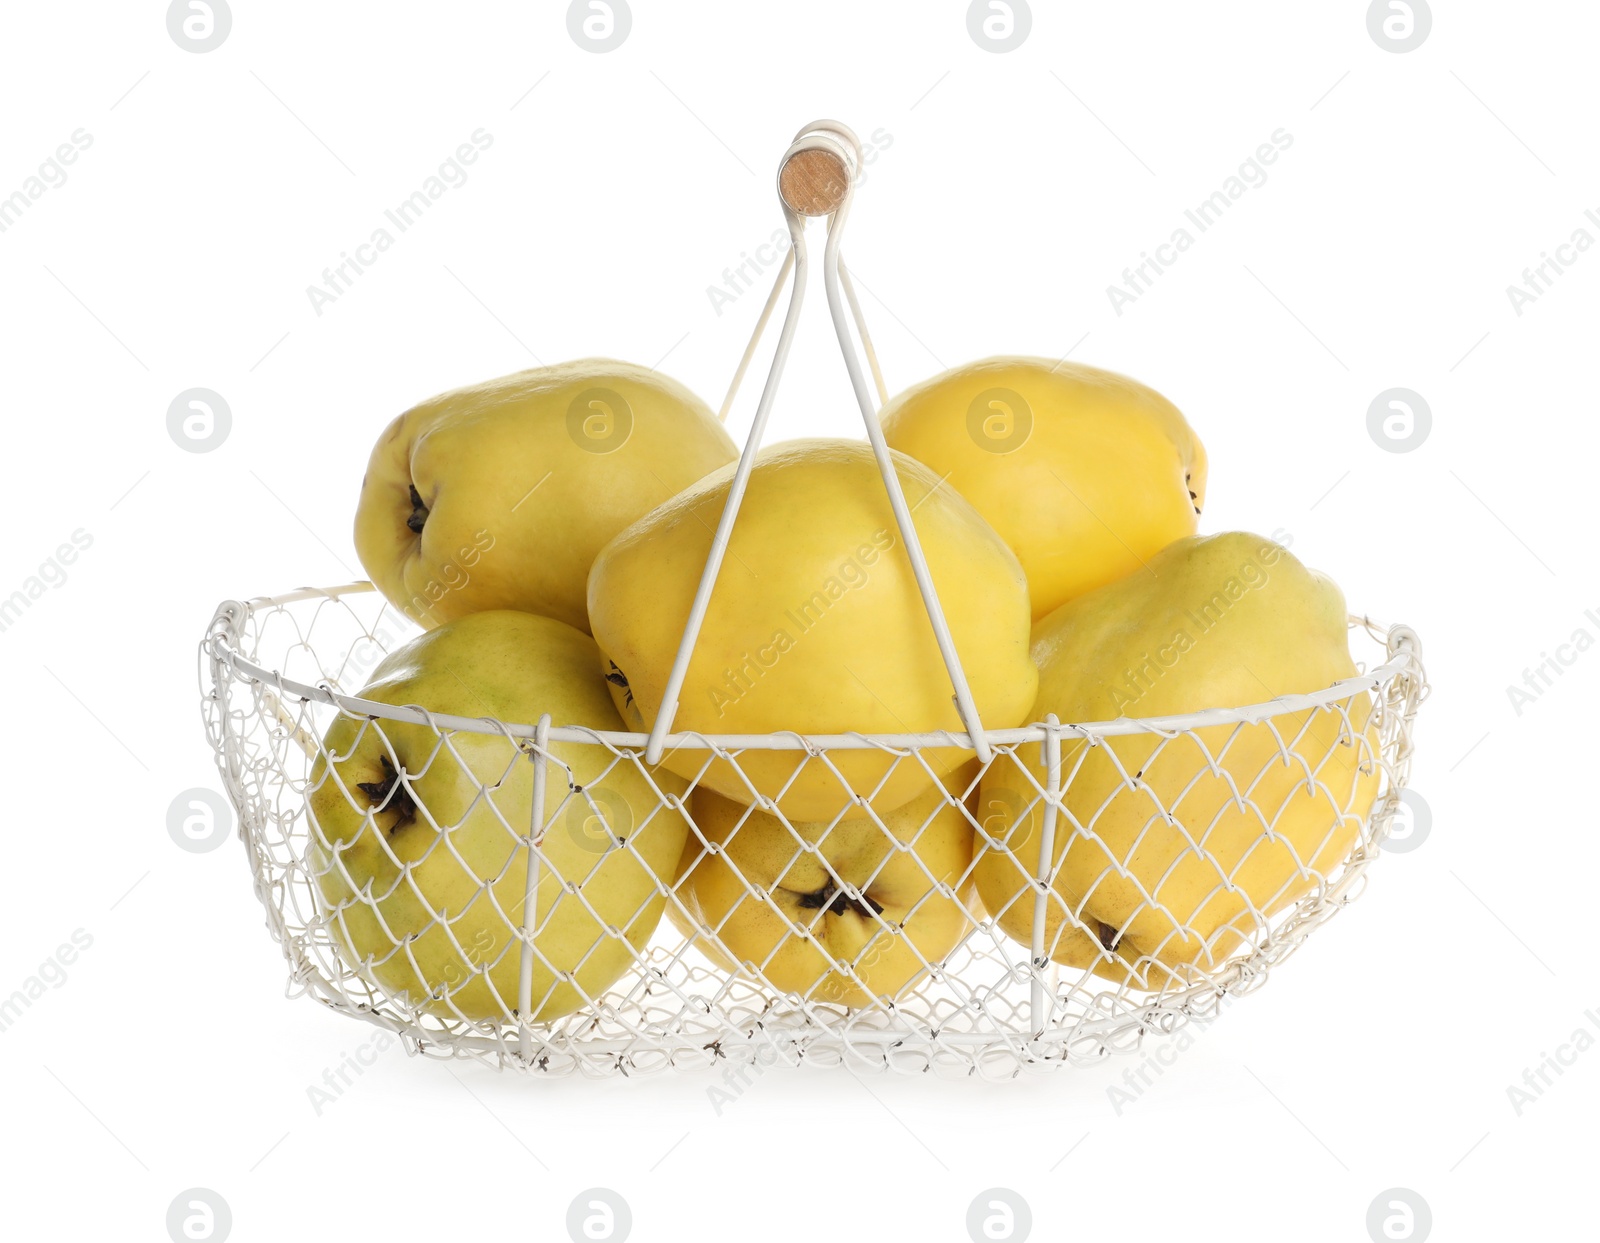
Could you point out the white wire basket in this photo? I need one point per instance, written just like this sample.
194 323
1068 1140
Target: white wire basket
664 984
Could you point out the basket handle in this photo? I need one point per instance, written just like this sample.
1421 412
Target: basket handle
816 177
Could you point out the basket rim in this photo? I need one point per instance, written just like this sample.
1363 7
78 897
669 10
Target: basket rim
1400 642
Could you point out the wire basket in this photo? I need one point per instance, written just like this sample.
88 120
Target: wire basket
275 670
650 976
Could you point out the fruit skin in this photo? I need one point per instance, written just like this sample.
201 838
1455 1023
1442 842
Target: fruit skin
1108 474
516 495
1218 621
913 864
514 667
816 625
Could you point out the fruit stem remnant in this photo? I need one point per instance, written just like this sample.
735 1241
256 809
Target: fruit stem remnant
832 900
619 679
419 512
390 794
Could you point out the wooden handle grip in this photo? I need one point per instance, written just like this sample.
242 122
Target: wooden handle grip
813 182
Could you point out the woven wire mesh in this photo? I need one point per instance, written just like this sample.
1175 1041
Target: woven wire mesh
636 955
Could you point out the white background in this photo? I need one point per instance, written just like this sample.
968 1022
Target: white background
1016 187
